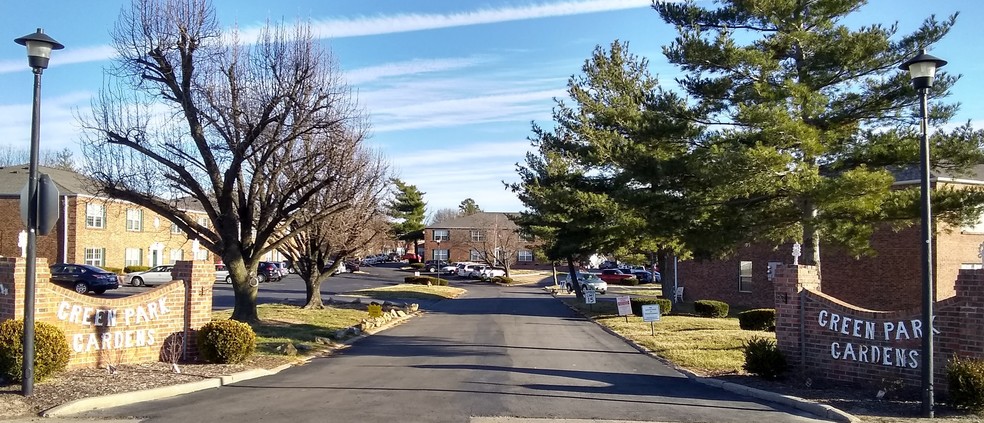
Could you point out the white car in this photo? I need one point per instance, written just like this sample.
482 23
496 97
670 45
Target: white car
491 272
152 276
465 269
587 280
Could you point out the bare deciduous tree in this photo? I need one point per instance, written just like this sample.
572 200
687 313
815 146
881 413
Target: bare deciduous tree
239 129
61 159
364 182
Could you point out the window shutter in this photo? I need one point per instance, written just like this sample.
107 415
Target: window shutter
140 216
102 255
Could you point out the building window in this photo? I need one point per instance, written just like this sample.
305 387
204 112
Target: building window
745 276
475 255
440 255
95 256
203 221
175 229
133 257
971 266
134 220
95 216
477 236
442 234
524 255
176 254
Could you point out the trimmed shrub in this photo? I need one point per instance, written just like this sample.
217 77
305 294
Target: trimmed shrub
416 265
758 319
424 280
711 308
51 350
665 305
502 279
115 270
762 357
965 380
633 281
131 269
226 341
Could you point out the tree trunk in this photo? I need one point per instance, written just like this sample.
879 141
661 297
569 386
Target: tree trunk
811 235
666 275
572 270
313 293
245 310
245 294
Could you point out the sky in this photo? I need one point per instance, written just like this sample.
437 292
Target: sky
451 87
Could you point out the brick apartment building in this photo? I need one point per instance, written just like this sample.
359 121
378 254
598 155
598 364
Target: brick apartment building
91 229
889 280
477 237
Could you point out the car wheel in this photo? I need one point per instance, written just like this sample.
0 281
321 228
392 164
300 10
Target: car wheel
431 270
137 281
228 279
261 278
81 287
99 291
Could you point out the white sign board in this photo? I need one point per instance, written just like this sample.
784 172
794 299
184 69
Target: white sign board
589 295
624 305
650 313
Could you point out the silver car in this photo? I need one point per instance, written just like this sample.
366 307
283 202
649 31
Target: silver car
587 280
152 276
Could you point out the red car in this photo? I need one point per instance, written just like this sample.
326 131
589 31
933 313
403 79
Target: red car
411 257
614 275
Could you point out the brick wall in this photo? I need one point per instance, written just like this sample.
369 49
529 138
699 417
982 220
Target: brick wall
825 338
102 331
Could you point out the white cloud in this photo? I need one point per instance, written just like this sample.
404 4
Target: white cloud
391 24
63 57
519 106
411 67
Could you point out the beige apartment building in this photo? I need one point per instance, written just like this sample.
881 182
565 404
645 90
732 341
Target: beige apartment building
91 229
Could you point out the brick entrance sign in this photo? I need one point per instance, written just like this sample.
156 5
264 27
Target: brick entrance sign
101 331
828 339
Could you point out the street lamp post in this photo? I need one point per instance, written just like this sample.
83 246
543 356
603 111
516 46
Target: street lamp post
39 48
437 265
922 70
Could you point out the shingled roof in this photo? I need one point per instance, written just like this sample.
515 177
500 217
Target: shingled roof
14 178
478 220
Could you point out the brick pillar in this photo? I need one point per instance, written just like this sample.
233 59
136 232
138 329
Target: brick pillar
790 281
13 278
198 277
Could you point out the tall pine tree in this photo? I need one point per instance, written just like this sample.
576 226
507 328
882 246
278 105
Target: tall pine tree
806 120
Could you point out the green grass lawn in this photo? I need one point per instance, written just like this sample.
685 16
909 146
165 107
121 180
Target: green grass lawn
286 323
410 292
703 345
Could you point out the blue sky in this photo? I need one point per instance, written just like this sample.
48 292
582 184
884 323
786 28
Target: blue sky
451 86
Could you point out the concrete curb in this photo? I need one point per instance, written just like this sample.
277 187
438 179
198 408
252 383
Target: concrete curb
802 404
126 398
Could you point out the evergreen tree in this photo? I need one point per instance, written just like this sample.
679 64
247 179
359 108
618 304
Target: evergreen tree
468 207
806 119
408 209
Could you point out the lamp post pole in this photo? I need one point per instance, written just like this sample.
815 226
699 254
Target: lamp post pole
39 48
922 70
437 265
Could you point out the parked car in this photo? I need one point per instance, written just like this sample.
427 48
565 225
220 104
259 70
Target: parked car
465 269
284 268
644 276
433 266
491 272
84 278
222 273
587 280
450 268
268 271
614 275
411 258
152 276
